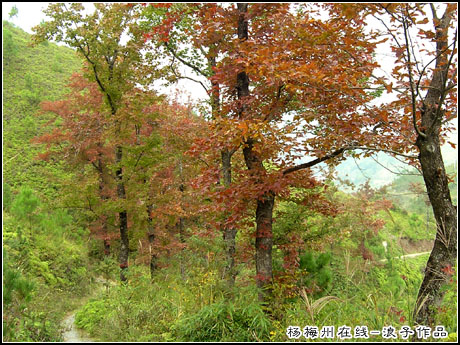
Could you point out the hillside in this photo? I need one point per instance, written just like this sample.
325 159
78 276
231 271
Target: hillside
45 254
409 191
30 75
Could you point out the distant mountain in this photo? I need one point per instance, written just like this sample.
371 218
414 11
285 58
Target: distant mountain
383 169
380 170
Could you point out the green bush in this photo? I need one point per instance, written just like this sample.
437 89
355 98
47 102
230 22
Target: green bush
91 314
14 284
10 48
224 321
318 275
25 204
20 321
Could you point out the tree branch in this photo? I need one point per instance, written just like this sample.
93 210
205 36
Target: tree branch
411 80
318 160
196 69
396 173
432 60
384 150
445 88
339 152
185 77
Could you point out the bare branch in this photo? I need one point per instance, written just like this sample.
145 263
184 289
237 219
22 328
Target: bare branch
202 160
360 170
444 87
393 172
272 111
171 66
411 81
135 165
434 59
385 150
433 11
196 69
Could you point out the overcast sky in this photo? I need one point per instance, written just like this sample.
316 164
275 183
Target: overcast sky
29 13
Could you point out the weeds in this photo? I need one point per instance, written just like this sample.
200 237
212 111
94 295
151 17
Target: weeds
314 307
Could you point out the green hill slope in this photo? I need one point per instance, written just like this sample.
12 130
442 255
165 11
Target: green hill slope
30 75
409 191
45 254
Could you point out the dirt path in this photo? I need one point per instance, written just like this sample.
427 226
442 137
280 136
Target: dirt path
71 333
407 256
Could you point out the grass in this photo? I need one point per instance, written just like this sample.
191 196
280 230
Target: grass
199 309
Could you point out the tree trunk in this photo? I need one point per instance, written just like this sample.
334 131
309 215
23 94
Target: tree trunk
151 238
181 227
264 221
101 168
180 224
105 231
264 244
124 247
106 245
229 232
264 211
444 252
123 218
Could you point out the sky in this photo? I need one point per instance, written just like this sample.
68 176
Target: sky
30 14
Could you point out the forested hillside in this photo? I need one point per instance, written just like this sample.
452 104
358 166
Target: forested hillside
134 215
45 253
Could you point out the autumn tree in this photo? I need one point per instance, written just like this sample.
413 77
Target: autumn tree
110 43
173 204
188 35
79 137
423 81
292 100
290 87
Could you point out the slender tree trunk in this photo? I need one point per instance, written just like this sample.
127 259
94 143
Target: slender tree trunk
181 227
444 252
123 218
151 238
264 211
180 224
105 232
229 232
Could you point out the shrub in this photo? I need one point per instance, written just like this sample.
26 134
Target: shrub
224 321
319 276
91 314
